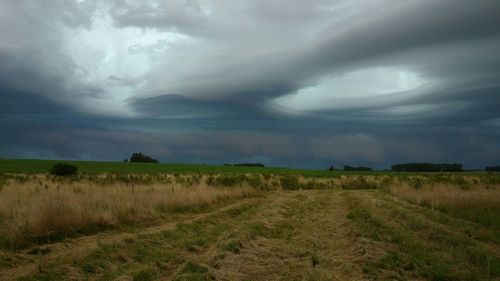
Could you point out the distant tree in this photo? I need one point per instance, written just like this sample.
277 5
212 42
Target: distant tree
360 168
493 168
138 157
125 160
63 169
331 168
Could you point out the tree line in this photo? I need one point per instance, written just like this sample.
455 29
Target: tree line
492 168
352 168
418 167
427 167
139 157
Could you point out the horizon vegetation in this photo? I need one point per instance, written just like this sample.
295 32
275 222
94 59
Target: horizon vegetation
33 166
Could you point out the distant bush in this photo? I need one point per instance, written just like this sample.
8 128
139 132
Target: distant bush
63 169
138 157
427 167
493 169
359 168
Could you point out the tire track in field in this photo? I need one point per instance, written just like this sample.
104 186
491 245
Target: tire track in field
81 246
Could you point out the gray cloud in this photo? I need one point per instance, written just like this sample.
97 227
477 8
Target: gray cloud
296 83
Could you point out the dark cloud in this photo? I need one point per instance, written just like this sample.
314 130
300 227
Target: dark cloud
304 84
359 42
179 106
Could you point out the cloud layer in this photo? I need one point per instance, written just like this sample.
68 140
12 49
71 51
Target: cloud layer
305 84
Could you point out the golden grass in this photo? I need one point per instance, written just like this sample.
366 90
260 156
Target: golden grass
471 197
38 207
31 211
478 203
446 195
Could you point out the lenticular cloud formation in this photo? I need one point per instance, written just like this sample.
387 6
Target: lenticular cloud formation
296 83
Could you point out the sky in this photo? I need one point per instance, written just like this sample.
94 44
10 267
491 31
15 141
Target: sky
304 84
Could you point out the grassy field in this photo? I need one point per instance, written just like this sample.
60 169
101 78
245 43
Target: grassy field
30 166
249 226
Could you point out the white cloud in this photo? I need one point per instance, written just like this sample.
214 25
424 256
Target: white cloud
117 60
338 92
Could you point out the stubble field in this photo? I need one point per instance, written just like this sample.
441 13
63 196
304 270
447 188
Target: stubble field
250 226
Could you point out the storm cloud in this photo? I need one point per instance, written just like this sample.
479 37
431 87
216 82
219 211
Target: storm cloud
287 83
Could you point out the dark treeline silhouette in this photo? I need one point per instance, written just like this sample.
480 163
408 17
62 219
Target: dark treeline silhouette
246 165
138 157
427 167
493 168
360 168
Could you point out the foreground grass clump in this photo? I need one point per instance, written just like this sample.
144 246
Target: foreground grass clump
194 271
38 211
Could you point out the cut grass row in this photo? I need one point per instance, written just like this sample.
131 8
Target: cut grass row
276 237
174 253
296 235
415 247
41 209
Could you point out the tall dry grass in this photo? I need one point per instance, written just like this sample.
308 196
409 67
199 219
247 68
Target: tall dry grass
446 195
33 211
472 197
479 203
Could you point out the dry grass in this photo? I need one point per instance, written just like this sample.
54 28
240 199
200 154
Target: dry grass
472 197
38 208
450 196
33 211
477 202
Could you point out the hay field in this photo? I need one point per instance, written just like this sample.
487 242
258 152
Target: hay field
250 227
